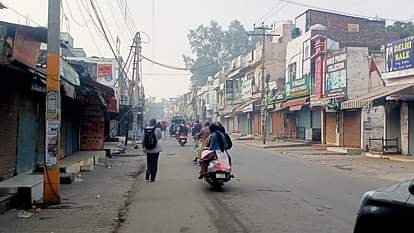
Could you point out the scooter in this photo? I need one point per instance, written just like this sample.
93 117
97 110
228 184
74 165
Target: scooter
218 171
182 139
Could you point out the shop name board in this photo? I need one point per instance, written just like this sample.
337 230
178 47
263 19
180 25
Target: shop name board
105 75
247 89
336 81
400 54
298 87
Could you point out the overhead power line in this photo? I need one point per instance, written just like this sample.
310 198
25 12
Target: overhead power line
269 11
72 17
89 30
98 17
276 11
165 65
20 14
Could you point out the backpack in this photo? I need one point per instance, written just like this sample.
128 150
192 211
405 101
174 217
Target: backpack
150 139
229 142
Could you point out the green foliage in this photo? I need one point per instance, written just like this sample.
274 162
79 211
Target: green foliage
404 29
212 46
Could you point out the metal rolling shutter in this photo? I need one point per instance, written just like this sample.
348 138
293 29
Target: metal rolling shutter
8 131
331 128
352 129
26 143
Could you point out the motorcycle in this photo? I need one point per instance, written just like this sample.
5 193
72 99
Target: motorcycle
218 170
182 139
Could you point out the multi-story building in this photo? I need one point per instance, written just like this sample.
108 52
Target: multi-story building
315 35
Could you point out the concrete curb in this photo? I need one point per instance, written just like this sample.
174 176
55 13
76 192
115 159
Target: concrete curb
274 146
388 157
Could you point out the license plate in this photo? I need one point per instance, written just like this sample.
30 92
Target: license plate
220 176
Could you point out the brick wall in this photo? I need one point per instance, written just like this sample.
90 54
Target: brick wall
358 39
337 22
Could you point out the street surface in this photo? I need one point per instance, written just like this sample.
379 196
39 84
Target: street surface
272 192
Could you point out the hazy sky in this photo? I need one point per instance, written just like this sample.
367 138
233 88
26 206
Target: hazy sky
173 20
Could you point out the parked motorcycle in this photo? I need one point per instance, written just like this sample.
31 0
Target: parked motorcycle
218 171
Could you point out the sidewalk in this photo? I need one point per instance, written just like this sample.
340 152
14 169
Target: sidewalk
273 144
391 170
91 204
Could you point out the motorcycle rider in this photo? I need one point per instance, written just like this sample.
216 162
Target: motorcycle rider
217 142
202 140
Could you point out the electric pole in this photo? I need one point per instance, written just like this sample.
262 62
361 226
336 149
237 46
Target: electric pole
134 88
264 34
51 171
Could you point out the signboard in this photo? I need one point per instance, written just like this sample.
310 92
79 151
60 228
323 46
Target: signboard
52 132
399 55
336 82
298 87
26 49
104 74
247 89
52 105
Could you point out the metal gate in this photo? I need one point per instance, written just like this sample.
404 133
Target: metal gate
27 136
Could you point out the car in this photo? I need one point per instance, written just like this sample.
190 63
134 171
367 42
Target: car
389 209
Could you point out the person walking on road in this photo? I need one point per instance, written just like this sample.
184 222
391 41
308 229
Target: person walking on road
152 148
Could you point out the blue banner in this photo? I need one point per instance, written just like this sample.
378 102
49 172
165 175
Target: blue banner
400 55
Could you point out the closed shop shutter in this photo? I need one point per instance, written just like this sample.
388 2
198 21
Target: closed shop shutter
256 123
352 129
316 119
231 125
304 118
331 128
70 128
26 145
291 125
241 124
8 131
411 128
277 123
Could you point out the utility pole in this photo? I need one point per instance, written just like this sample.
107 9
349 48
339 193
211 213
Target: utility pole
51 171
134 88
264 34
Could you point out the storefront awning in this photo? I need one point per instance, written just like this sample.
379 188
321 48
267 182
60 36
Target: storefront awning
295 104
373 95
246 107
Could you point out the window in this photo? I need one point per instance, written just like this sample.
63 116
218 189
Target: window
306 49
292 71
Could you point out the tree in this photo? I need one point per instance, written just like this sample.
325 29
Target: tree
404 29
212 46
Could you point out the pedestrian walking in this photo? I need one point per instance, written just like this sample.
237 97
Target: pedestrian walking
152 148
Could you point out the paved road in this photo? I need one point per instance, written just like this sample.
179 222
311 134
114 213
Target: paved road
272 193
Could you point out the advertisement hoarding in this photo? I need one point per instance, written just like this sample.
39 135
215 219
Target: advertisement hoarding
104 74
336 81
399 55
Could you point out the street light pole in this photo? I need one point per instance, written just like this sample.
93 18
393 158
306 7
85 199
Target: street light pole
51 171
264 34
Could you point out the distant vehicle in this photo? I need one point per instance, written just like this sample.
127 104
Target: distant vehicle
175 122
182 139
388 209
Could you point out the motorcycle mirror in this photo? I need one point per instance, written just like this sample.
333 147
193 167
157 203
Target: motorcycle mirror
411 187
